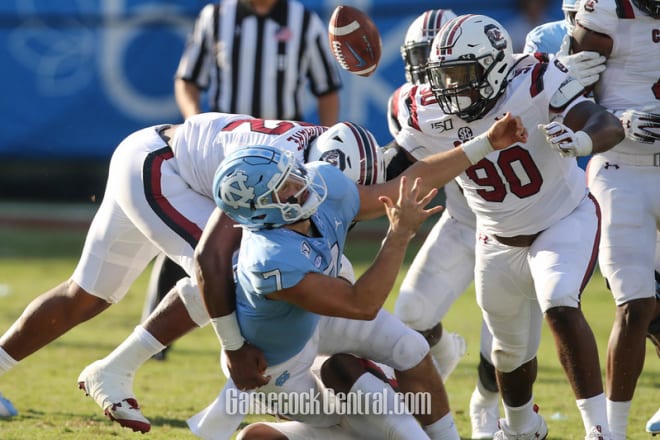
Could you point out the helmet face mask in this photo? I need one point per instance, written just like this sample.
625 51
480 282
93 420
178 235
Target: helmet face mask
459 84
249 183
415 56
469 65
651 7
570 8
417 43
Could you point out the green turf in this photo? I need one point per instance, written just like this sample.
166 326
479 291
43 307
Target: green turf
43 387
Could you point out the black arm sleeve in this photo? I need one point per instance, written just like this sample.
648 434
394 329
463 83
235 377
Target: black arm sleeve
399 162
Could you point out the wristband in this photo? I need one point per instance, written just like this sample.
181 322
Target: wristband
583 144
228 332
477 148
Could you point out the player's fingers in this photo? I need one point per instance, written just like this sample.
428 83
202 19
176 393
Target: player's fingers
428 197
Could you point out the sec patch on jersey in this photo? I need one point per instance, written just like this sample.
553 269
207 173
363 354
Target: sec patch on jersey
355 40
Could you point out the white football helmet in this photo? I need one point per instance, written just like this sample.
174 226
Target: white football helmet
469 65
417 43
353 149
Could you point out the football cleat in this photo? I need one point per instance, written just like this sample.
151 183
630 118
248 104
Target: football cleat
653 425
447 360
112 391
596 433
540 431
7 409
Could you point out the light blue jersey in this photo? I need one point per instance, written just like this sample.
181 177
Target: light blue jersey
275 259
546 37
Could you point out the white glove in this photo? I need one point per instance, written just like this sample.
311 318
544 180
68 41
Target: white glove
585 66
567 142
641 126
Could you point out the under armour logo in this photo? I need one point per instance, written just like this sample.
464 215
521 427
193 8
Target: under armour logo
483 238
613 165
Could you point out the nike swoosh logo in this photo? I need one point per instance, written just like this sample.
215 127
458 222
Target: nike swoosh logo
361 61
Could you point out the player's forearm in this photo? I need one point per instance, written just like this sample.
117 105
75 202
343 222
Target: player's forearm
213 268
187 97
328 108
605 131
373 287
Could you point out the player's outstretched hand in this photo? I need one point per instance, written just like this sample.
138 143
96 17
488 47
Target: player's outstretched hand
247 366
507 131
409 211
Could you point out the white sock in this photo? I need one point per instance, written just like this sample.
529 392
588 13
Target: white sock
442 429
484 397
391 426
617 416
6 362
521 418
134 351
594 412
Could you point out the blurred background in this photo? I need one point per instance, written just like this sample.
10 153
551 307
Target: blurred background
78 76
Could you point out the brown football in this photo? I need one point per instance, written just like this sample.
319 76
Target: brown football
354 40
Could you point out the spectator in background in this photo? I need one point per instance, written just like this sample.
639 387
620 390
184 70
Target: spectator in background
531 13
251 57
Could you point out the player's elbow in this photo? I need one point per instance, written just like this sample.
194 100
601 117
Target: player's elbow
366 312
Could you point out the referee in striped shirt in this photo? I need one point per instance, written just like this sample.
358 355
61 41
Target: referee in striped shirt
256 57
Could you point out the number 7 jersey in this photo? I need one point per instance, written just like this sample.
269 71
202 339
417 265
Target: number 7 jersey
522 189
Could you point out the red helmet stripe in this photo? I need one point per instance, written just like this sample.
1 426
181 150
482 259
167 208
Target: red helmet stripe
452 33
368 163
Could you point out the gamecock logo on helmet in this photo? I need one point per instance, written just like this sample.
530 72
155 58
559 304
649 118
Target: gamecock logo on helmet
495 36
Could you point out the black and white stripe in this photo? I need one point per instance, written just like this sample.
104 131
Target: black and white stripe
259 66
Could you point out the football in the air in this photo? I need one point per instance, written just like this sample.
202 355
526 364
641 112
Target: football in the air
354 40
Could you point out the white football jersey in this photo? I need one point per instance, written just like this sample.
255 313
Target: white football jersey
522 189
202 142
632 77
400 117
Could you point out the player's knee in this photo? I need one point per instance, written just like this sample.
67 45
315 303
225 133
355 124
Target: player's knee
412 311
340 371
409 351
260 431
508 360
192 300
486 372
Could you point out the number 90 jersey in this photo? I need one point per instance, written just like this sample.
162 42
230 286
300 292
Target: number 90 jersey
522 189
202 142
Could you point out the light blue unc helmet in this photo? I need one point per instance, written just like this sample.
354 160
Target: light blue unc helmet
246 185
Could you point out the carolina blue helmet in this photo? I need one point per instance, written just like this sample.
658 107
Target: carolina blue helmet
246 188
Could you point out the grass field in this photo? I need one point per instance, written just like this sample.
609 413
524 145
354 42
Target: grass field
43 387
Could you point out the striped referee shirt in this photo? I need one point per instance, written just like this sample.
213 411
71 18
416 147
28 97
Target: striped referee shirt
259 65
